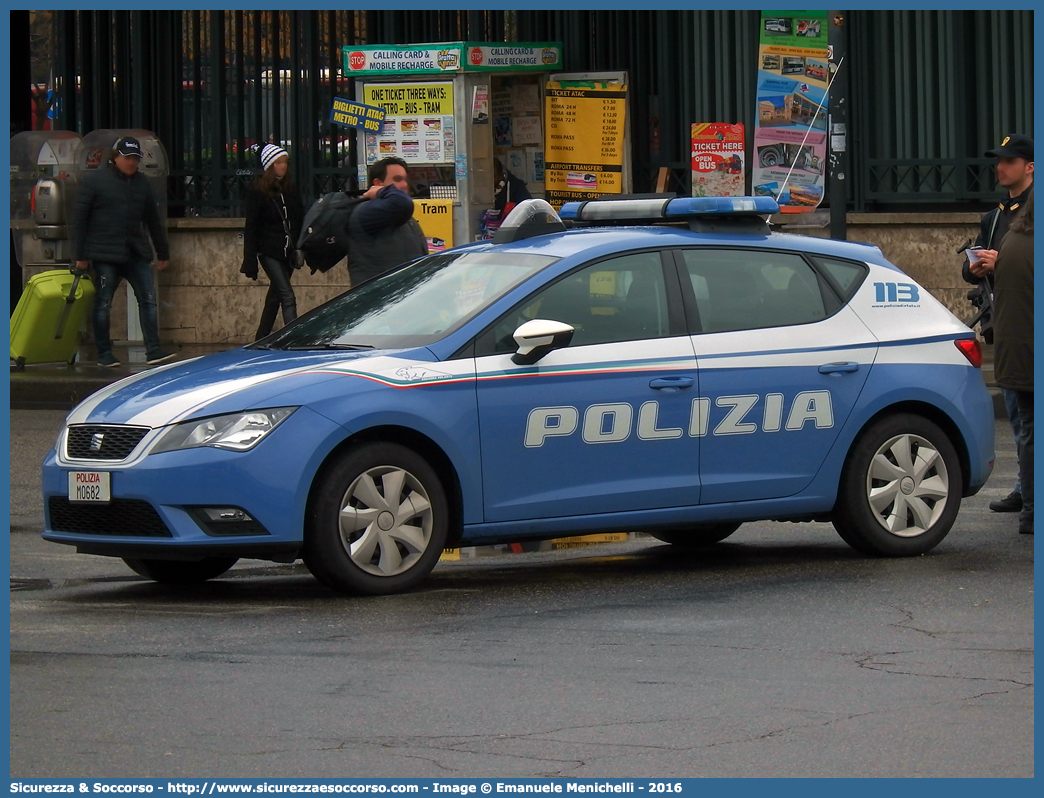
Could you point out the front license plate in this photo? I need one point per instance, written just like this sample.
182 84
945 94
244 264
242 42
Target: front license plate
90 486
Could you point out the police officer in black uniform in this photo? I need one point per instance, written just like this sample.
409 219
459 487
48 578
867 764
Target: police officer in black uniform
1015 173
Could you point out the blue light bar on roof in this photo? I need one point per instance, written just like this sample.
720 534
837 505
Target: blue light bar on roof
676 209
569 210
720 206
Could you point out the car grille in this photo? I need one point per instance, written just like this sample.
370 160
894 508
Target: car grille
120 517
109 442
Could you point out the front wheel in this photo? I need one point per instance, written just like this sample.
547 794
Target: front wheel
900 488
377 521
696 535
179 572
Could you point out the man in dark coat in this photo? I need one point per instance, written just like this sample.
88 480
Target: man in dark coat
382 232
112 205
1015 174
1013 327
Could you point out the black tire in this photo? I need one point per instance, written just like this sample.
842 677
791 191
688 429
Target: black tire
360 540
900 489
696 535
180 572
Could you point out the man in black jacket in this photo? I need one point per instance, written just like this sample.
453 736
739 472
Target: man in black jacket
1014 173
112 205
382 232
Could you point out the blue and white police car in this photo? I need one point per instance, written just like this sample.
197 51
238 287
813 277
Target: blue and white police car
667 365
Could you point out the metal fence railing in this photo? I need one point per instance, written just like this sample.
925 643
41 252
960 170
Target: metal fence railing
215 84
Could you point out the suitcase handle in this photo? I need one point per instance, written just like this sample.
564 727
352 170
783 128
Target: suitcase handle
69 300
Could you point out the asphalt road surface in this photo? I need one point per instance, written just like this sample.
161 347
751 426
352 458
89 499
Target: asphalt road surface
779 652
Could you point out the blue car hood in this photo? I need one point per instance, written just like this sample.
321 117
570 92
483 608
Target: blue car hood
225 382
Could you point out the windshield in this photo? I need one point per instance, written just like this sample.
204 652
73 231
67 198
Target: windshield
413 306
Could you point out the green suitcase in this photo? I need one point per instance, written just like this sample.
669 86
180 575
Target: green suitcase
48 321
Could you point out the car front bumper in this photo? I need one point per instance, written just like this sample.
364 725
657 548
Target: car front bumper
196 502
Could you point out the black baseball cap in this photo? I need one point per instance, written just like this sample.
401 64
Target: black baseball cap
128 145
1014 146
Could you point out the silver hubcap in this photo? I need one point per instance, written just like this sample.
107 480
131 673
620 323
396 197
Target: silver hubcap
385 521
907 485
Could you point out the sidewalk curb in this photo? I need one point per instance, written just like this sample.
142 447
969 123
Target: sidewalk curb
59 386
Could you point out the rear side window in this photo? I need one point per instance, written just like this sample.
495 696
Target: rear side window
749 289
847 274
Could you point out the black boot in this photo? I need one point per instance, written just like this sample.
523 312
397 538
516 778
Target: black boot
1011 503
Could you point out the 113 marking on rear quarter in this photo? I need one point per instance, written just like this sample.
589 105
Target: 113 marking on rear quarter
896 292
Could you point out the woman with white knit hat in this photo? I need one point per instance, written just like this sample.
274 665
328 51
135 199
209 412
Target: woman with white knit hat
274 213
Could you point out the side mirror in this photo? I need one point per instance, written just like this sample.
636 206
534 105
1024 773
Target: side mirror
538 337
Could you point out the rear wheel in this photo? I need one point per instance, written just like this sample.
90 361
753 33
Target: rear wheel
900 489
378 521
696 535
179 572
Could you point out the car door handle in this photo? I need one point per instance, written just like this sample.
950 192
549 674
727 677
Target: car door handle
838 368
671 384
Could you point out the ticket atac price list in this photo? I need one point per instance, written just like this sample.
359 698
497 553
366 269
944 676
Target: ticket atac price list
612 129
584 146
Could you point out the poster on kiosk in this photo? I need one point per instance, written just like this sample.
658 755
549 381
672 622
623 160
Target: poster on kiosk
448 110
790 132
588 136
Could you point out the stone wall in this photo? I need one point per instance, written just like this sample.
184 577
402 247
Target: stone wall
205 300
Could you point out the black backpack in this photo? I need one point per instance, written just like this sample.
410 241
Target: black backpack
324 231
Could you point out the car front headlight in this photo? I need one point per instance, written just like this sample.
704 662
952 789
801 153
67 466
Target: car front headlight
236 431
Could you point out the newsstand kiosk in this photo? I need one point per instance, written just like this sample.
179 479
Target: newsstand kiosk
450 109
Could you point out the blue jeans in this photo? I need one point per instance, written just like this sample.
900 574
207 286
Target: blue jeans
1011 404
139 274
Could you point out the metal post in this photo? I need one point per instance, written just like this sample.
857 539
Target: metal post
65 116
218 110
125 77
837 127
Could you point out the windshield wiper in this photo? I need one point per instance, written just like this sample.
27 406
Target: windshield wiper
348 347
